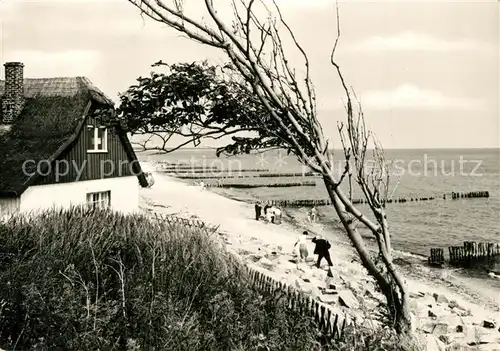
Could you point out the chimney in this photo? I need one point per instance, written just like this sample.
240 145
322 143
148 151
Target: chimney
13 97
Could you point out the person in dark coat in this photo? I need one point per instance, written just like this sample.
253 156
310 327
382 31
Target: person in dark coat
258 209
322 250
266 208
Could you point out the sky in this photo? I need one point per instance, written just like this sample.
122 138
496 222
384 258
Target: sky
426 73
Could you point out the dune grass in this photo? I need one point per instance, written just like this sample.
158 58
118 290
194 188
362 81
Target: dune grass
80 280
97 280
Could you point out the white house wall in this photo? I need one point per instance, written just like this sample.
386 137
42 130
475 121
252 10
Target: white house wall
124 194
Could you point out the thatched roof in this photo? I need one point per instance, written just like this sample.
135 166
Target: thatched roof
52 118
61 86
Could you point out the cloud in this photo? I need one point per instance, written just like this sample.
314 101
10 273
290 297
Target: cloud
55 63
408 41
410 96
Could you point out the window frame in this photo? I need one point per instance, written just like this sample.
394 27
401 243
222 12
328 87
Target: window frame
102 202
104 140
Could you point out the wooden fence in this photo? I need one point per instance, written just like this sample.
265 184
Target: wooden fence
471 252
331 324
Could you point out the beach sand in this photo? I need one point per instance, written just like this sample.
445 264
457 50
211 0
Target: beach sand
445 317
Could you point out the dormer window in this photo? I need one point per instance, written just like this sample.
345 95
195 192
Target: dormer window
97 139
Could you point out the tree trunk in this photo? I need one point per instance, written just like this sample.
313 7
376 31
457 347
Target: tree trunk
396 296
400 311
403 322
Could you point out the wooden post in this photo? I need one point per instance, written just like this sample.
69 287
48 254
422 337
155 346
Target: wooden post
322 322
342 329
335 333
329 322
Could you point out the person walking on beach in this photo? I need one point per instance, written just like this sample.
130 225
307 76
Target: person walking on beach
322 250
313 214
277 215
258 209
302 242
269 214
266 207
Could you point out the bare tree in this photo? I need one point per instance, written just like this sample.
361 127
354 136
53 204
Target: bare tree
254 43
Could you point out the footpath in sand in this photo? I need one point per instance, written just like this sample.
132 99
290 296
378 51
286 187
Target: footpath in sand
443 320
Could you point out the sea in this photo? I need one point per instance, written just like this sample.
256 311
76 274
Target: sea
415 226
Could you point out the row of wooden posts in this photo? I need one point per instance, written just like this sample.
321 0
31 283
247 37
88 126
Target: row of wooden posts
327 202
472 194
212 171
463 255
187 167
234 174
264 185
331 324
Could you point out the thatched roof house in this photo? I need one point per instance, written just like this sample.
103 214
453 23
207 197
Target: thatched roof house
45 124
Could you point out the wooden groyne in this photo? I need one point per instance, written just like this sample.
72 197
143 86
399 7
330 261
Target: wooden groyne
235 174
200 169
213 176
330 324
300 203
217 171
300 174
263 185
469 195
328 202
437 257
471 252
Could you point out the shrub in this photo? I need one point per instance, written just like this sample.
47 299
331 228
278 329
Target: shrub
80 280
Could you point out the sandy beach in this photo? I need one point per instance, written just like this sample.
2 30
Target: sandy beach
446 316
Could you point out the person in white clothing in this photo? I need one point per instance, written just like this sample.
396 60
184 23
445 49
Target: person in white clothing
277 215
313 214
269 215
302 242
202 185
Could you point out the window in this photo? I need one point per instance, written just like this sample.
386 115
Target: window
97 139
99 200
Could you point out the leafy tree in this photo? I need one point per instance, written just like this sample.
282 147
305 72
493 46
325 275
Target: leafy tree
195 101
260 92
